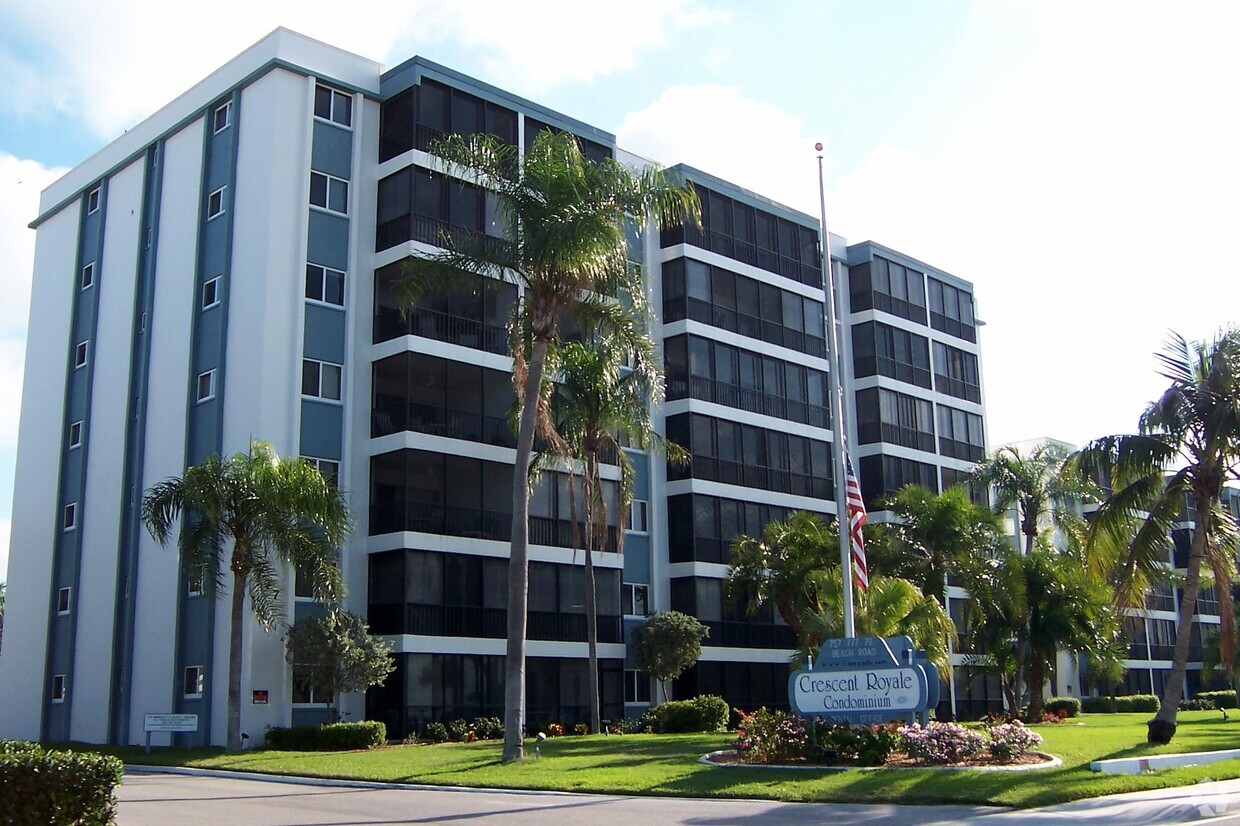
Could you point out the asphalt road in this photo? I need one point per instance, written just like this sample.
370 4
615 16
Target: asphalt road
159 798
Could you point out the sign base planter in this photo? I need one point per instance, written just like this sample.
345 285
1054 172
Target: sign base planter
719 759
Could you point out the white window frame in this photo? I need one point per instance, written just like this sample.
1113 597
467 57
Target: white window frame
336 94
194 588
88 276
68 518
226 108
318 465
305 362
322 272
637 679
628 599
214 284
75 433
211 216
330 181
64 601
200 681
639 516
81 354
92 201
199 398
60 687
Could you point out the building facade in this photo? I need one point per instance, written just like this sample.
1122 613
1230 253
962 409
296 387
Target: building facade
223 271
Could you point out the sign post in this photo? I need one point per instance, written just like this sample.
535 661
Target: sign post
866 680
167 722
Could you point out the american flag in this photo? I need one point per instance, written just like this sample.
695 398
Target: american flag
856 519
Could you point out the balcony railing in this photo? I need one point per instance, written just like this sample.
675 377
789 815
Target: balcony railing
952 327
695 309
743 634
473 523
492 623
755 401
883 366
748 475
744 251
870 432
454 329
394 416
957 388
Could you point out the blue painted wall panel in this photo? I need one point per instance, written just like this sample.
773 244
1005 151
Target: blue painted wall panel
328 240
323 338
321 428
333 150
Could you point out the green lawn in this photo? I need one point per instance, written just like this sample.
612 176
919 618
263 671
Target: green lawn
667 765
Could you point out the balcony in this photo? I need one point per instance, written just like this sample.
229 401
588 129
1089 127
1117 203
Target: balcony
453 329
474 523
743 251
749 634
492 623
754 401
393 416
734 321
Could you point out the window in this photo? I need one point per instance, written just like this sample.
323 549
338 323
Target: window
205 390
956 373
75 434
211 293
329 469
88 275
62 601
222 117
195 580
58 688
310 694
325 284
329 193
80 354
334 106
639 512
634 599
636 687
960 434
320 379
69 520
215 203
951 310
192 682
92 201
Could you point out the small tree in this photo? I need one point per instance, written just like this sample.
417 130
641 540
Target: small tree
336 654
668 643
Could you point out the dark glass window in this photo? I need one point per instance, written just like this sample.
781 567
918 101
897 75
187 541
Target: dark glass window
472 312
951 310
396 124
593 150
880 349
956 374
882 476
881 284
960 434
887 416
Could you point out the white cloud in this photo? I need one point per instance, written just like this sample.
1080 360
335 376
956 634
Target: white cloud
71 64
718 130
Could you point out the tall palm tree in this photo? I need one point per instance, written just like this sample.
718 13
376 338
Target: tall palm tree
1186 450
889 607
253 515
1035 484
564 218
604 391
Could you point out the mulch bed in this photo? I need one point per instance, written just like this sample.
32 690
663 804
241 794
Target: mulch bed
898 760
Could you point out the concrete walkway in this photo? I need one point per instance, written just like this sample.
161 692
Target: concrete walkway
215 798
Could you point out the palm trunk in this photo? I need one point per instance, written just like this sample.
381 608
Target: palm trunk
518 561
1162 727
234 660
591 479
1037 679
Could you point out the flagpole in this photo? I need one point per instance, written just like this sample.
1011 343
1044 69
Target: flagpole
834 391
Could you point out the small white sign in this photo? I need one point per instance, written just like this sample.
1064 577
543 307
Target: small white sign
170 722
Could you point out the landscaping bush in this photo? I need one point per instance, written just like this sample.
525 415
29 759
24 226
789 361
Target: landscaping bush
1198 704
436 732
635 725
705 713
581 729
941 743
1221 699
56 787
1011 740
1128 703
770 737
555 730
488 728
364 734
1055 705
868 745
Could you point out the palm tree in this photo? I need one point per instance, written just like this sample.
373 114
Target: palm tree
1035 484
889 607
598 400
566 248
1186 450
253 515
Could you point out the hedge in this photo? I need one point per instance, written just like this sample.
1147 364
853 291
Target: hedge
56 787
1128 703
1055 705
705 713
364 734
1221 699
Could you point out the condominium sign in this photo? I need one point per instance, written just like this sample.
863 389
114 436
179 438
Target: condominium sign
866 680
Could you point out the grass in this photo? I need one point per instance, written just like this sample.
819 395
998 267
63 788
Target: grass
667 765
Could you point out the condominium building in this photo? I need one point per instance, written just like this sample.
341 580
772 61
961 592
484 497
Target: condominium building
223 272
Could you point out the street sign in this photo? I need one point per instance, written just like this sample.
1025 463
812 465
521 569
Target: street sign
866 680
170 722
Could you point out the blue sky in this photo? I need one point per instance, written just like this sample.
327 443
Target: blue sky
1077 161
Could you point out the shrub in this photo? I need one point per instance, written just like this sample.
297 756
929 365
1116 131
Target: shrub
458 730
868 745
941 743
555 730
436 732
581 729
488 728
364 734
1129 703
705 713
635 725
1011 740
56 787
1197 704
770 737
1051 718
1221 699
1056 705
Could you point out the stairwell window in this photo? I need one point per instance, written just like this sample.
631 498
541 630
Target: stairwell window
62 601
222 118
88 275
639 516
320 379
329 193
68 520
75 434
215 203
192 682
332 105
92 201
325 284
211 293
58 688
80 354
205 387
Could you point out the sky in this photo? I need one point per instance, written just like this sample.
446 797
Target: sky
1078 162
